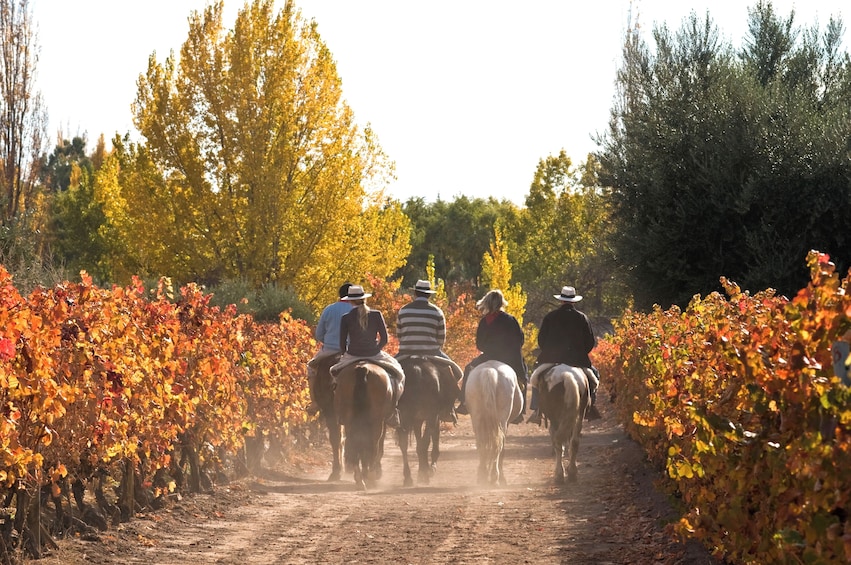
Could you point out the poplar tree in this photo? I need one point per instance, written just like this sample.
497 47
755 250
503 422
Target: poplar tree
23 119
253 165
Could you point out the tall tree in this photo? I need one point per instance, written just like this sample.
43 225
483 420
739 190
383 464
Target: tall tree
455 233
253 165
23 120
728 164
564 238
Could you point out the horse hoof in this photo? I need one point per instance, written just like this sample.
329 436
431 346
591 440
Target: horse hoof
334 476
409 482
559 480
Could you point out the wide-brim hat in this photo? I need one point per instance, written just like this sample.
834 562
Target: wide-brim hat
568 294
356 293
424 286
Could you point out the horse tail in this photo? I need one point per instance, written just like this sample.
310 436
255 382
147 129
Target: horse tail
491 421
359 394
357 443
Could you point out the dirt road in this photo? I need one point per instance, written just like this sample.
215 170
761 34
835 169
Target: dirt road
612 515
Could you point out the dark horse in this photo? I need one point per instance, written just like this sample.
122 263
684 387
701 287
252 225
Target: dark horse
363 399
324 395
419 409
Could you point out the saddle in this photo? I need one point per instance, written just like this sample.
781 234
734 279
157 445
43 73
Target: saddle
544 369
437 360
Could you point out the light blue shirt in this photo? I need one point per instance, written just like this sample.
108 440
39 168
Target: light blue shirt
328 327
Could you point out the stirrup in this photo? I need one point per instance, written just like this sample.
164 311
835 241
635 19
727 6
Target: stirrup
393 419
312 408
449 416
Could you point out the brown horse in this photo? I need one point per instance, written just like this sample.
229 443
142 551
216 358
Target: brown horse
363 399
419 409
564 398
324 394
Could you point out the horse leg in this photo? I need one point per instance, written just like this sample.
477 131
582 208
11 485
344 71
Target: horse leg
435 444
359 478
379 452
574 447
499 475
402 438
335 437
484 462
423 431
558 452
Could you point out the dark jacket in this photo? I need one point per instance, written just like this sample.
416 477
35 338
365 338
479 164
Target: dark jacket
363 342
566 337
500 338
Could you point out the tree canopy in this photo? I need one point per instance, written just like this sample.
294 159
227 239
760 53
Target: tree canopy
729 163
455 234
252 164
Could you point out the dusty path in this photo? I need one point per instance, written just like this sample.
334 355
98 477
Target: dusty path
612 515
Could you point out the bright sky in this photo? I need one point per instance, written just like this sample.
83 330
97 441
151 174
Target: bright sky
466 96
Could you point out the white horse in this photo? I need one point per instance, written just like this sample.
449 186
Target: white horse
564 397
493 399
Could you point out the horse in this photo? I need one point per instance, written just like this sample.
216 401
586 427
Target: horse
324 394
419 409
363 400
493 399
564 397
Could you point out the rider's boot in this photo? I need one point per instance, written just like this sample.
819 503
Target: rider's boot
393 419
592 413
519 418
313 407
462 408
535 418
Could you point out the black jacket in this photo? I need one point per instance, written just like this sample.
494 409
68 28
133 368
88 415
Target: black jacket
500 338
566 337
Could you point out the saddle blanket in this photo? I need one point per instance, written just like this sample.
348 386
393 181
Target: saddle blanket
543 372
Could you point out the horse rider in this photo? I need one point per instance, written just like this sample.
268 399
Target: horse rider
363 335
565 337
499 338
328 334
421 328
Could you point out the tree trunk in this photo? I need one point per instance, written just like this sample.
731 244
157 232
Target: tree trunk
191 454
127 491
254 447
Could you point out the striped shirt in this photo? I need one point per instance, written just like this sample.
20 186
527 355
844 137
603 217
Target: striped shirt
421 328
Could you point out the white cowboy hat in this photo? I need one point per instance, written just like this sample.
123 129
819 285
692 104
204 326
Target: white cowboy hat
568 294
356 293
424 286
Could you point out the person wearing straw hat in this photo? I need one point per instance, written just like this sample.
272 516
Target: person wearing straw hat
328 334
565 337
363 335
421 328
